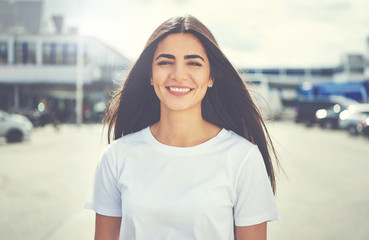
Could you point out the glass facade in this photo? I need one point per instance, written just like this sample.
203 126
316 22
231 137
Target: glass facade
25 52
48 53
271 71
324 72
69 53
356 63
59 53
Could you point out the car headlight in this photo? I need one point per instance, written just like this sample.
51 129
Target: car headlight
367 121
321 113
336 108
344 115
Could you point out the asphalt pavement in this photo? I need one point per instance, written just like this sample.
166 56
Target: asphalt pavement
323 194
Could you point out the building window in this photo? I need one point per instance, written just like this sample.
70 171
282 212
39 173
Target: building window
356 64
49 53
3 52
25 52
46 54
323 72
295 72
270 71
31 53
69 53
59 53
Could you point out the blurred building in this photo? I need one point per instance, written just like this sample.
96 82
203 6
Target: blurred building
38 70
20 16
353 68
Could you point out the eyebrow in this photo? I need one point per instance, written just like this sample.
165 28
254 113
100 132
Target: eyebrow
170 56
165 56
194 56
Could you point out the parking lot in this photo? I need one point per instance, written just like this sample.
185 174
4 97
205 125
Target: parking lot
323 194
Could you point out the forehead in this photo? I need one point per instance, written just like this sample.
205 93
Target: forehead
185 43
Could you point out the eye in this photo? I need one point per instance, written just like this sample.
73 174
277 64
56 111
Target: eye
164 63
195 64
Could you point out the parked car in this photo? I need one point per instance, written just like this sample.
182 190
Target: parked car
351 117
362 127
305 110
328 117
14 127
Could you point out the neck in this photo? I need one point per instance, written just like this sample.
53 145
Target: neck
183 128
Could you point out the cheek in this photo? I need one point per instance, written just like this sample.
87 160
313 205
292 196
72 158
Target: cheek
201 79
158 75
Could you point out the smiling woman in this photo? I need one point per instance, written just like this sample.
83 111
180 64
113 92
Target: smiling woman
190 153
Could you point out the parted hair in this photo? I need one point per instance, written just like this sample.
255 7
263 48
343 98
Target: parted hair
227 104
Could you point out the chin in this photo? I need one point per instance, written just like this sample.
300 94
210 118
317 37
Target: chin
178 107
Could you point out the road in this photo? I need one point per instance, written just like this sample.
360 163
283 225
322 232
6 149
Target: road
323 194
326 195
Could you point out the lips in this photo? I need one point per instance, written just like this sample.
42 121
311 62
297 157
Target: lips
179 90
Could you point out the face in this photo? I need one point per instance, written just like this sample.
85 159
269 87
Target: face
180 72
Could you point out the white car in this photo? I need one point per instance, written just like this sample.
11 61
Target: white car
352 115
14 127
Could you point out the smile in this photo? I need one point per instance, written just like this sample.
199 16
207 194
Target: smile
176 89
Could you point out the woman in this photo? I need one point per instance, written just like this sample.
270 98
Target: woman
190 157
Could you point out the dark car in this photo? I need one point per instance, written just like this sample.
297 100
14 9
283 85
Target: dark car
329 117
305 110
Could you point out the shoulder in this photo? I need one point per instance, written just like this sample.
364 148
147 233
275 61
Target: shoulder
126 143
240 152
235 142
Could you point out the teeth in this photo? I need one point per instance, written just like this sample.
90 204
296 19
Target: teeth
174 89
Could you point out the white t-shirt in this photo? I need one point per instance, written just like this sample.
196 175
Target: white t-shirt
165 192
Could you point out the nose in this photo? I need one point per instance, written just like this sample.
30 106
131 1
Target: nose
179 73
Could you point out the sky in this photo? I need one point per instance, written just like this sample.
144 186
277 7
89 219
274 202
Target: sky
254 34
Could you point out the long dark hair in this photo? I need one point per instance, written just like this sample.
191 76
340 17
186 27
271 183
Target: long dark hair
227 104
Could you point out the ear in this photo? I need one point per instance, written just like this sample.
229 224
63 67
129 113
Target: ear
211 82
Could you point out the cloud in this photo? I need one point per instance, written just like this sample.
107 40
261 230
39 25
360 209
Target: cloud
269 32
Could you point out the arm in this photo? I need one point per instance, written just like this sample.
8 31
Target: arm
107 228
254 232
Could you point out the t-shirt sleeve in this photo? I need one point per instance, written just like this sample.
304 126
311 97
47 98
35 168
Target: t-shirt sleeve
254 202
104 197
